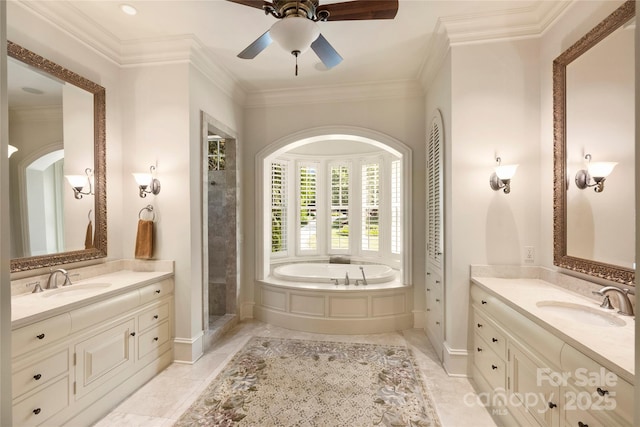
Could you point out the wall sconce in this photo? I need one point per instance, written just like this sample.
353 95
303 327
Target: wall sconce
599 171
78 182
501 178
12 149
147 183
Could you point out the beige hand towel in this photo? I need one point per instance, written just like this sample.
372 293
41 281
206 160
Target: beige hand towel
144 239
88 240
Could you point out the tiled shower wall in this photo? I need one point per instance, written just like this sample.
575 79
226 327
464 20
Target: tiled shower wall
218 247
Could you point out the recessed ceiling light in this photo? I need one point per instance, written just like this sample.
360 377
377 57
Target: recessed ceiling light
128 9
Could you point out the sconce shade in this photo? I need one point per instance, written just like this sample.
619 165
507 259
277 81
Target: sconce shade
295 34
77 181
506 171
12 150
601 169
142 179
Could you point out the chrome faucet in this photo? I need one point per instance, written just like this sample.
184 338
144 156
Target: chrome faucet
346 278
52 283
624 303
364 278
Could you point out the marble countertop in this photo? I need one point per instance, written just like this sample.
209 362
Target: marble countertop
612 346
33 307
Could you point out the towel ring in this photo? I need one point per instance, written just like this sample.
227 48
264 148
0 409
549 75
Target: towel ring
147 208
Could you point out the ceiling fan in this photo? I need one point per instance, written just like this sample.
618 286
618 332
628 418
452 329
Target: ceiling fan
296 29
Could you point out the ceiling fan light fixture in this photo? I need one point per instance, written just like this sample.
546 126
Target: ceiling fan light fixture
295 33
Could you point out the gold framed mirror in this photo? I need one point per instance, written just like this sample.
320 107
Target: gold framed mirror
588 236
93 241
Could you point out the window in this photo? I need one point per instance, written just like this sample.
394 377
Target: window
370 206
396 208
339 207
307 196
278 207
216 153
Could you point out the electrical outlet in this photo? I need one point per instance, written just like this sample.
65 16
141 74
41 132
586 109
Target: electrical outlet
529 254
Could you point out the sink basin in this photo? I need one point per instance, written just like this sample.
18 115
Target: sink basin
580 313
74 290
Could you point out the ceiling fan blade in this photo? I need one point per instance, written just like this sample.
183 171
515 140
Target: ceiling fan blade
256 47
327 54
361 9
258 4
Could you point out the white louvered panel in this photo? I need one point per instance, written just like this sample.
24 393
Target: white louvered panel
308 200
370 206
434 194
340 177
279 238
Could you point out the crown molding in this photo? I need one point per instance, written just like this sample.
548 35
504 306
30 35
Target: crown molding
518 23
335 94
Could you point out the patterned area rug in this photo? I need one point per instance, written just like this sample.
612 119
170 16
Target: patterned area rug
282 382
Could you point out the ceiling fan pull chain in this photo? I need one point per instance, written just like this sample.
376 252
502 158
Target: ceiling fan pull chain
296 53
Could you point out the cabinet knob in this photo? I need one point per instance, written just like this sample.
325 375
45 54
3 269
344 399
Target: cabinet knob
602 391
428 289
494 339
552 405
581 424
479 325
479 349
155 338
155 317
437 299
494 367
37 411
483 302
133 334
437 281
157 291
437 323
428 274
37 377
41 336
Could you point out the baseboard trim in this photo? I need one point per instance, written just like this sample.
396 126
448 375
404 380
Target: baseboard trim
188 350
455 361
246 310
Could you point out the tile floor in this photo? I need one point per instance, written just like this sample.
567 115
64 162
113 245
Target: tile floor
162 400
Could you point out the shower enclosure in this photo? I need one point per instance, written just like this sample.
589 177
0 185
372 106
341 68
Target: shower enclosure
220 224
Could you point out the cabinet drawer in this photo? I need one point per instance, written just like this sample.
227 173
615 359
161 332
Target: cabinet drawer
40 373
37 408
153 316
490 333
37 335
492 367
156 291
594 380
152 339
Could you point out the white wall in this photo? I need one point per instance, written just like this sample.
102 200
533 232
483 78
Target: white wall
402 119
492 109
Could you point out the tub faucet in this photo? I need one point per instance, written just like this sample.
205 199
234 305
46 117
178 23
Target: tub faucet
364 278
52 283
624 303
346 278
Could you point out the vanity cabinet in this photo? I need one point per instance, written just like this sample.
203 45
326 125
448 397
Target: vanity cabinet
70 369
530 377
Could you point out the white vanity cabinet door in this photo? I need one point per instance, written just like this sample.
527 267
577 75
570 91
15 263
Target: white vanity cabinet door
35 409
103 356
535 393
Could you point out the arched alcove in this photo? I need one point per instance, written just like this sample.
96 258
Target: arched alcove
338 136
